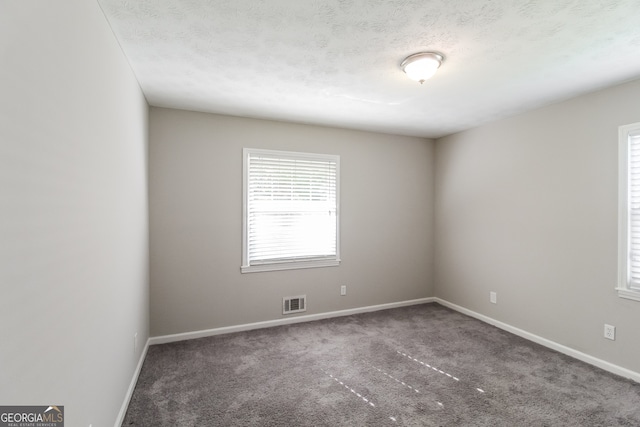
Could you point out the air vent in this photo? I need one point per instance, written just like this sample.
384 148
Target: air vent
294 304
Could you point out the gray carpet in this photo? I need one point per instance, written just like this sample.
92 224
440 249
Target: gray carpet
423 365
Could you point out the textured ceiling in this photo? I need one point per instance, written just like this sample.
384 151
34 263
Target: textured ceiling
336 62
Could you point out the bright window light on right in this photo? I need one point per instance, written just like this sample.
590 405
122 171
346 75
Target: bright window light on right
629 211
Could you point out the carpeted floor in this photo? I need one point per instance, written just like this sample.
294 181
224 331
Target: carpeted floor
423 365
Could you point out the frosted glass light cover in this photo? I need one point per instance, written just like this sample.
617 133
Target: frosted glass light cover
422 66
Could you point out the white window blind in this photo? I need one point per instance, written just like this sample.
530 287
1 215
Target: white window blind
629 212
290 210
633 203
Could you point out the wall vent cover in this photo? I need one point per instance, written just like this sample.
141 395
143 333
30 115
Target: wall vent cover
294 304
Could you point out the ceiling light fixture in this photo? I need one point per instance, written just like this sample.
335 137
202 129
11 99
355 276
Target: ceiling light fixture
422 66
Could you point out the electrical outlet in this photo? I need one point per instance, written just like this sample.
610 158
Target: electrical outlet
493 297
343 290
609 332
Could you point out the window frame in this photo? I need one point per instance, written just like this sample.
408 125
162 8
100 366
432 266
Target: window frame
625 134
290 264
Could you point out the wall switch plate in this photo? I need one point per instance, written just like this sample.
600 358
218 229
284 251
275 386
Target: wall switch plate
493 297
135 343
609 332
343 290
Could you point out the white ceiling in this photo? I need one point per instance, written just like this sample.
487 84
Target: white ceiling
336 62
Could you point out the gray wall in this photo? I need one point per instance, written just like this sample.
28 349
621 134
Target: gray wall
73 211
195 179
527 207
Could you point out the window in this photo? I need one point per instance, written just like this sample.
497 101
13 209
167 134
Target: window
629 212
290 210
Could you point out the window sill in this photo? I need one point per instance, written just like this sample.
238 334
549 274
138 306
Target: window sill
288 266
628 294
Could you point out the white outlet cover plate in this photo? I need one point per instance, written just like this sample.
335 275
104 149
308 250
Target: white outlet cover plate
610 332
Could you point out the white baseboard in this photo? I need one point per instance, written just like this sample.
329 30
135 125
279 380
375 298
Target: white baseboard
286 321
132 386
610 367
